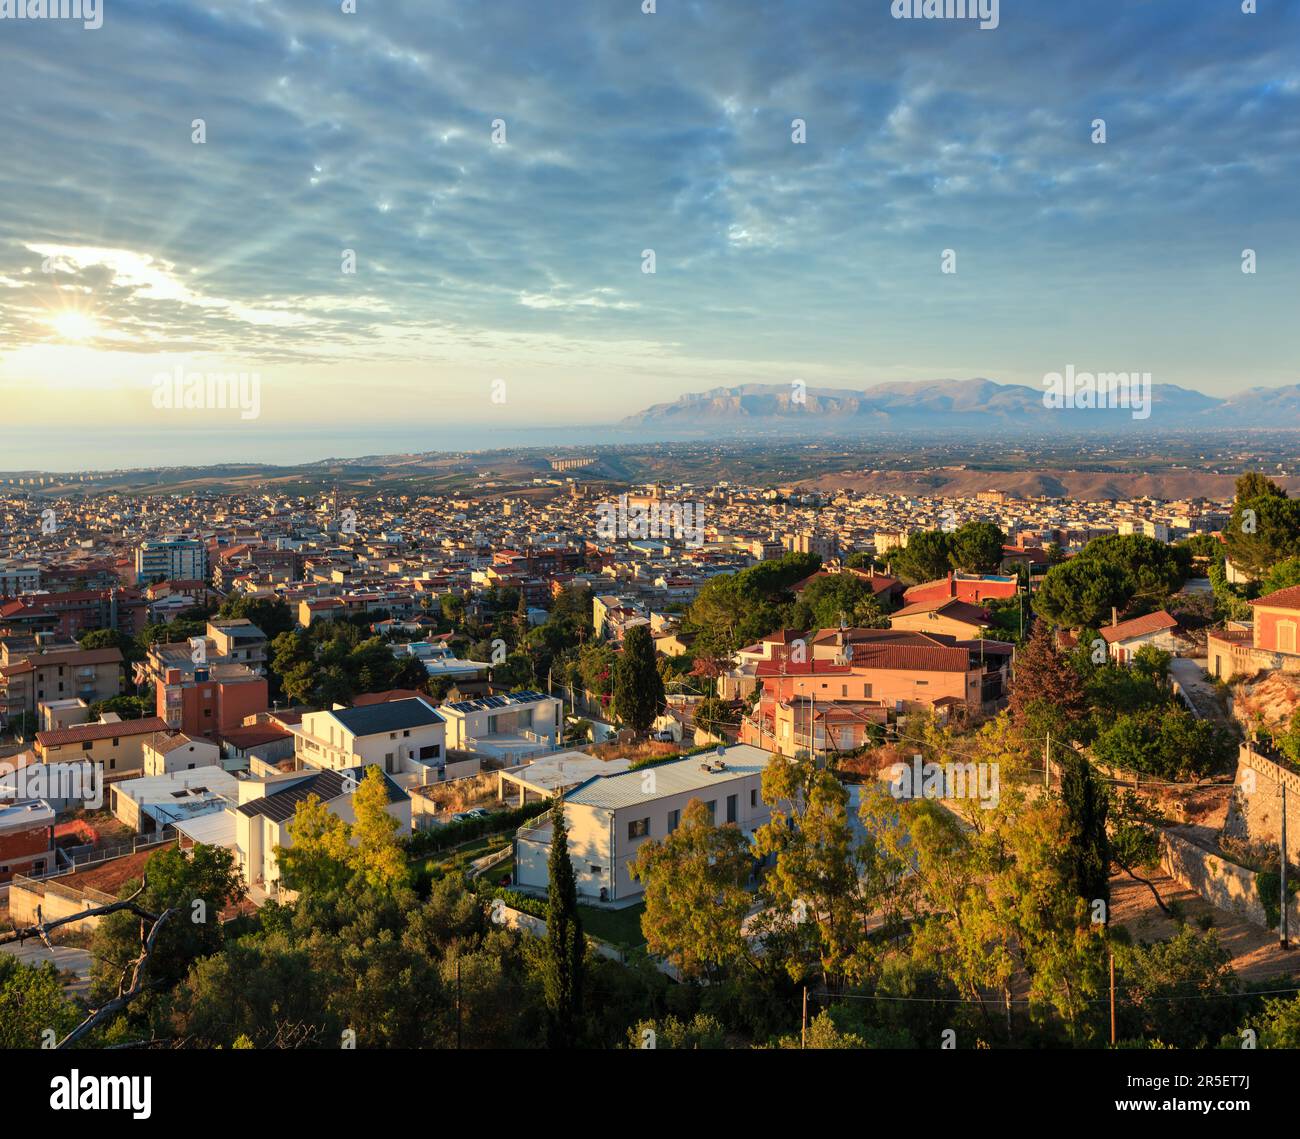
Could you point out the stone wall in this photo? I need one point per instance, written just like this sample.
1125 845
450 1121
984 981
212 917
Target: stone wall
1225 885
1255 810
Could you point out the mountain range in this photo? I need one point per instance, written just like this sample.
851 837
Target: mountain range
976 404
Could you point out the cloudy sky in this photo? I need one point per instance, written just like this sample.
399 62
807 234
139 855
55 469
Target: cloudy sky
126 249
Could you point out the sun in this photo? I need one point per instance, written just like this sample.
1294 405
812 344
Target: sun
73 325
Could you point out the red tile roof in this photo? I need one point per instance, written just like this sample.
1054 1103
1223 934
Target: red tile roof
1138 627
1288 598
81 733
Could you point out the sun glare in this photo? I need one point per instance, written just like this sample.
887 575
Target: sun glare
74 326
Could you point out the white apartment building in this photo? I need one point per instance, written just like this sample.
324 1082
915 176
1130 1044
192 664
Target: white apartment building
610 816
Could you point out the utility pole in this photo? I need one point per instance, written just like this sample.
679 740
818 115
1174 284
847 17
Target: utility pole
803 1032
1283 899
1047 763
1112 1000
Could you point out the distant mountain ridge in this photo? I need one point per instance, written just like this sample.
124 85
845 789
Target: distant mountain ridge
954 404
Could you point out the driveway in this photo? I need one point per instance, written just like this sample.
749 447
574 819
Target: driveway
1199 693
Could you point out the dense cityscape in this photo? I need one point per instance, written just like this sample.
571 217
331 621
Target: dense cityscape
626 533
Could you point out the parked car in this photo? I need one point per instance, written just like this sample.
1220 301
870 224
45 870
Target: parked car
663 737
461 816
477 813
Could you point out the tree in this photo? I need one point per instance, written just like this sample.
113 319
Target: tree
695 896
32 1003
1046 692
1264 528
565 945
1173 990
1086 805
927 556
638 687
270 614
1081 593
976 548
1283 575
824 883
837 598
319 860
198 884
379 857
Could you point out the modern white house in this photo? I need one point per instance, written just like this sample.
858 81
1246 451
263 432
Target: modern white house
511 727
610 816
156 801
261 820
404 737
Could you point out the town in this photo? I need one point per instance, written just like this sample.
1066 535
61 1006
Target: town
249 700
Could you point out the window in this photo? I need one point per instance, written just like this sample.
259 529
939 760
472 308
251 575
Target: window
866 691
844 691
115 738
674 820
406 734
712 807
922 683
388 757
638 828
595 870
753 798
731 808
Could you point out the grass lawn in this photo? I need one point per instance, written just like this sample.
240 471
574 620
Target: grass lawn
619 927
459 857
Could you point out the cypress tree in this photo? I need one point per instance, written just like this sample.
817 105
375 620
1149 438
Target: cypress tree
638 687
1087 804
565 945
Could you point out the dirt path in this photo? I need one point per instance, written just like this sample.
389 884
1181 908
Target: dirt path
1255 952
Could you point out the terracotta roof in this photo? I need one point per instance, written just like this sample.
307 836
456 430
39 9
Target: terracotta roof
1138 627
949 607
81 733
1288 598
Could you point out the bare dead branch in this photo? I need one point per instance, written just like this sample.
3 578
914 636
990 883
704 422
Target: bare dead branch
120 1002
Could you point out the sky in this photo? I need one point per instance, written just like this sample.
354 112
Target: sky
499 278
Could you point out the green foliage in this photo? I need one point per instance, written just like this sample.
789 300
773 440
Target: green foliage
565 945
1129 572
835 599
198 884
1177 991
638 687
734 610
1265 526
31 1003
1087 806
927 556
976 548
1282 575
1167 743
270 614
1078 593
